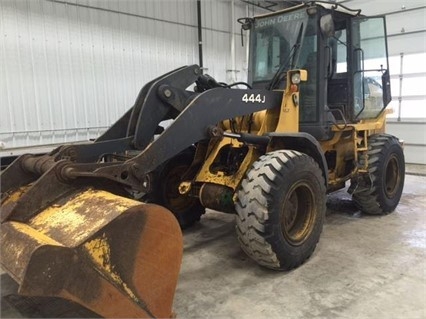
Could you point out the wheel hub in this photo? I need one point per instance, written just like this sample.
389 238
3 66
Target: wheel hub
298 214
392 177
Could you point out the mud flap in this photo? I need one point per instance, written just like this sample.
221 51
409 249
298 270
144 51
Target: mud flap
113 255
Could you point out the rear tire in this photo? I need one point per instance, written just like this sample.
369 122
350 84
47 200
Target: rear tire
379 191
281 208
187 209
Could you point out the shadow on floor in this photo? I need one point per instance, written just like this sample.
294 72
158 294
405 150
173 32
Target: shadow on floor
15 306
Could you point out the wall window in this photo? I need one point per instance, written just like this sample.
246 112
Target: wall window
413 90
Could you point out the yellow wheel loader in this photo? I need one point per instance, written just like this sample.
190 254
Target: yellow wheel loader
99 223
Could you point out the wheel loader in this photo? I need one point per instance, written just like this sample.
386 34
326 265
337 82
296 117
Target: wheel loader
99 223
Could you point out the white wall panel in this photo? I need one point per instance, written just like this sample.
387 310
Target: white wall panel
406 21
414 136
408 43
217 18
377 7
69 69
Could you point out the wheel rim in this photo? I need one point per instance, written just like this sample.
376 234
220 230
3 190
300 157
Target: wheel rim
392 177
173 200
298 214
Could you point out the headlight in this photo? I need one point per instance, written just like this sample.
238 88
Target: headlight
295 78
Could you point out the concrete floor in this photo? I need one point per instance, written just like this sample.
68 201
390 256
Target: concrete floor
363 267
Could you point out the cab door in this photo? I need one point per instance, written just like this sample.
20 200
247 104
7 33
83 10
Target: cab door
371 83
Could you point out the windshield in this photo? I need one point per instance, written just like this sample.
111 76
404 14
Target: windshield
274 42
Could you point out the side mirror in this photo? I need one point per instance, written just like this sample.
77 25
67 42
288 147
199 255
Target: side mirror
387 96
327 25
246 23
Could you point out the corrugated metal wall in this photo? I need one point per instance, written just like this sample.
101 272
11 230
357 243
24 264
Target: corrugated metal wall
70 69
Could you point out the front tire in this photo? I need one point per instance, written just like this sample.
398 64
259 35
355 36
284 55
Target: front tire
379 191
281 208
186 209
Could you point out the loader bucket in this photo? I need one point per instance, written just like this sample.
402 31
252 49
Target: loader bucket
113 255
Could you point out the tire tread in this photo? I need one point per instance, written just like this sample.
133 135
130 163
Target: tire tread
368 197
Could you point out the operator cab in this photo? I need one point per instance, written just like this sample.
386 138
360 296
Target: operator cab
344 53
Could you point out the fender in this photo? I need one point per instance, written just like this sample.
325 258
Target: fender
302 142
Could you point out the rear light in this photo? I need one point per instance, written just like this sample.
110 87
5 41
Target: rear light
294 88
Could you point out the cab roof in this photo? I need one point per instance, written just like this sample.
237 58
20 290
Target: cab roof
326 5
